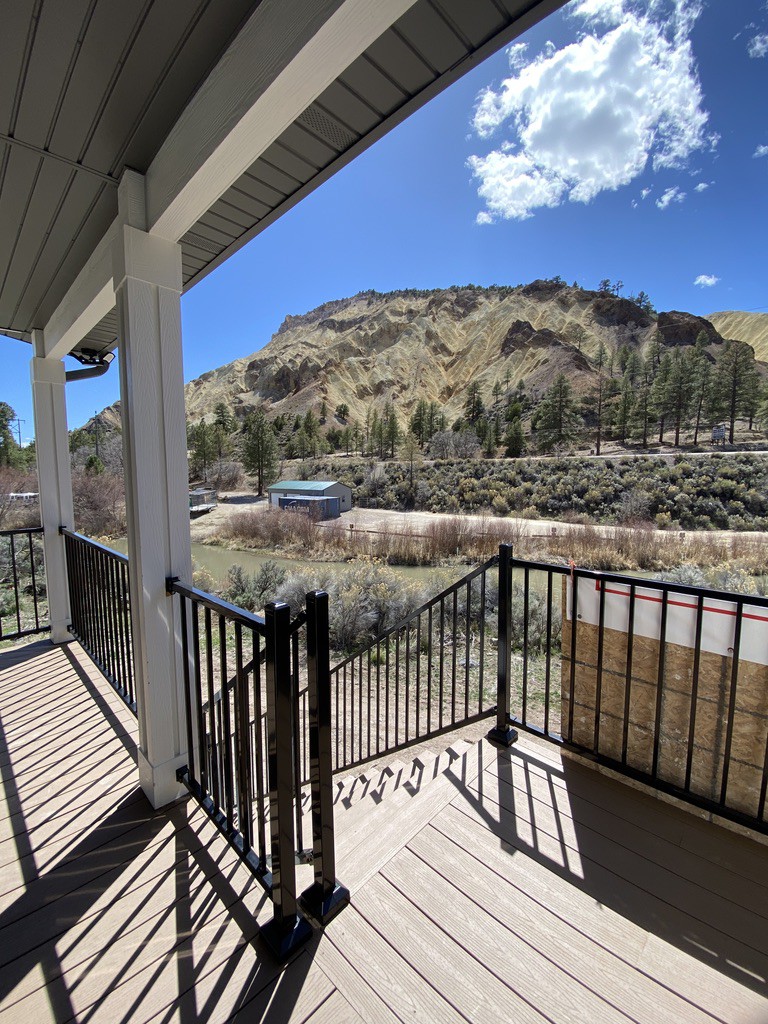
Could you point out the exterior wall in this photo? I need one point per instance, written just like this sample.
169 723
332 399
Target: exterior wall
711 708
343 493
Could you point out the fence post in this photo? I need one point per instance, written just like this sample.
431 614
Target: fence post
326 896
287 930
503 735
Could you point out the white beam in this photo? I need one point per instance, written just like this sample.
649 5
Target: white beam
89 299
248 100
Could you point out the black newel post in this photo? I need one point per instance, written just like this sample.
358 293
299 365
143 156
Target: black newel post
326 896
503 734
287 930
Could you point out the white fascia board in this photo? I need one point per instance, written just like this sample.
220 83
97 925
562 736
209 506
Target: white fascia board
89 299
223 130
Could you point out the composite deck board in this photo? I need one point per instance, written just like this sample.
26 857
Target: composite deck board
592 854
569 813
696 981
526 913
491 885
526 968
690 831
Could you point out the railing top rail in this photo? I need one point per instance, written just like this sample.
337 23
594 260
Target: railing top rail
21 529
493 560
217 604
117 555
643 581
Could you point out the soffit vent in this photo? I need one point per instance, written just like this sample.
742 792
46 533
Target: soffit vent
327 128
201 243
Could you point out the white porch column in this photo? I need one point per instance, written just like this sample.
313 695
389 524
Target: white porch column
147 280
54 479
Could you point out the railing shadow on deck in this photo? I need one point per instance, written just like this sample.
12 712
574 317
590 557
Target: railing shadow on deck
59 927
613 875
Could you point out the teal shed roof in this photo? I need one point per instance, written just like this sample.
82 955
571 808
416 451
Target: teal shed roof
301 485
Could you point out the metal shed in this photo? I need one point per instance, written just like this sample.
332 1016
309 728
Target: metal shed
328 497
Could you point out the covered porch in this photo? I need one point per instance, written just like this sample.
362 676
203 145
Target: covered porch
486 883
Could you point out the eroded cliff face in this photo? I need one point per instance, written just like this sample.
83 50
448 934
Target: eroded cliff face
406 346
411 345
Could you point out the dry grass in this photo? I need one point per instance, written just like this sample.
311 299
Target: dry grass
450 539
642 547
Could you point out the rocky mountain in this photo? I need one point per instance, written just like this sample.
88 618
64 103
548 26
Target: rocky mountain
749 327
407 345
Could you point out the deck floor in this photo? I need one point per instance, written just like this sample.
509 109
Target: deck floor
513 887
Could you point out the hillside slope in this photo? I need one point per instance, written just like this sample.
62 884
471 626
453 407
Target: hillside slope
405 346
408 345
749 327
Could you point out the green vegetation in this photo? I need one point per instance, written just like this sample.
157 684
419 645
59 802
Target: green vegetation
714 492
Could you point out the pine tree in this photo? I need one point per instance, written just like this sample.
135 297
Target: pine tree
737 382
660 393
10 452
260 449
473 403
701 383
642 411
557 419
514 440
624 407
677 400
200 440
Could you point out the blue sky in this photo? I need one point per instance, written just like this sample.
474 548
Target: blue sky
618 140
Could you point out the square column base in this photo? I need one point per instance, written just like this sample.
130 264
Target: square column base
502 737
159 782
283 939
320 909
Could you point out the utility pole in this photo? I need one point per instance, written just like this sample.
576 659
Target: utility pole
18 428
96 422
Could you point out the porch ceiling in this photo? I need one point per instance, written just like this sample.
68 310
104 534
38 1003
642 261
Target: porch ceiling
91 87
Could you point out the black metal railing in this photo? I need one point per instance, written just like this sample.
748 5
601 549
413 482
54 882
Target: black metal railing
100 609
243 708
663 682
429 674
23 607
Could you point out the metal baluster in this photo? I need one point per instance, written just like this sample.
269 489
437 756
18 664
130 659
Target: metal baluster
212 739
694 690
599 676
287 929
548 655
325 897
660 683
502 734
572 680
229 793
628 679
526 612
732 700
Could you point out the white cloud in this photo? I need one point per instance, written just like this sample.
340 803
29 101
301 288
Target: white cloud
591 116
672 195
706 280
760 151
512 186
644 193
702 186
758 45
607 11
